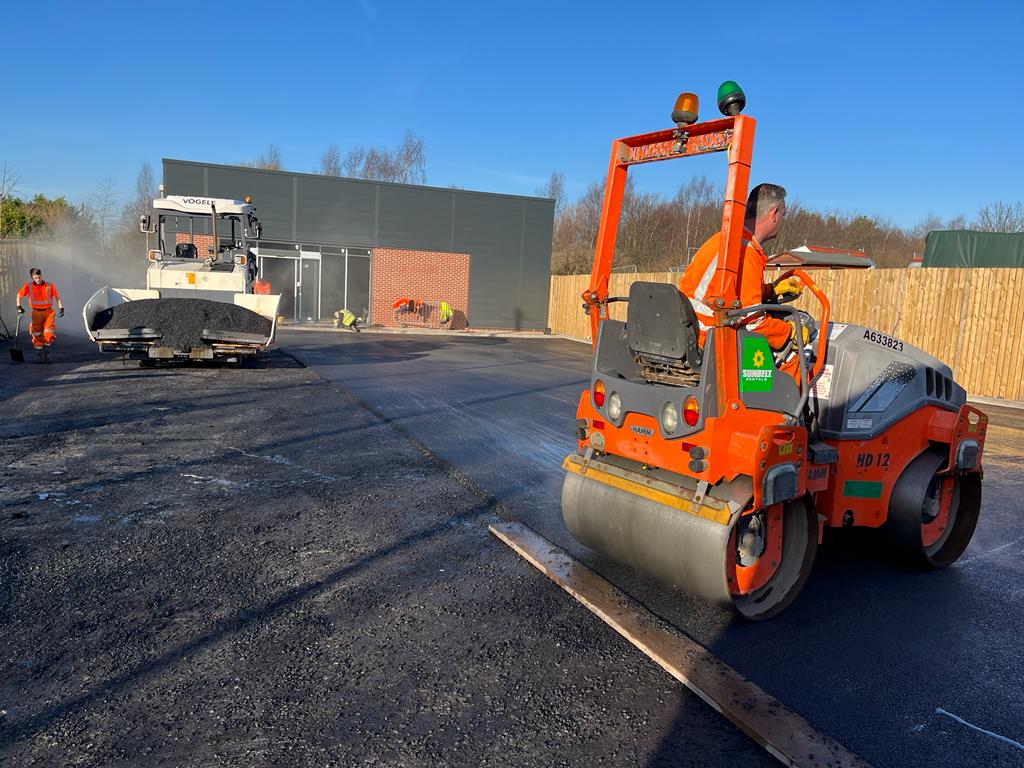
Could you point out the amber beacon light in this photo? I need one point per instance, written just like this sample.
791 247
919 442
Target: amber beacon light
685 111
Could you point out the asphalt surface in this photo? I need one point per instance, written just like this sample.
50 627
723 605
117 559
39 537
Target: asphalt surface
245 567
873 653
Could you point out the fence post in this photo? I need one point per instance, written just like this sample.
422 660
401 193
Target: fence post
961 335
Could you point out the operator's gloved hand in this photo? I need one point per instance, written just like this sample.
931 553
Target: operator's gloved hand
803 329
21 310
785 285
60 312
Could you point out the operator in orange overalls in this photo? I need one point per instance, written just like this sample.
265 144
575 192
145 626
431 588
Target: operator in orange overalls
41 296
765 212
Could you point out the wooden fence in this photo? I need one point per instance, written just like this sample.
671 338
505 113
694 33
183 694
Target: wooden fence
972 319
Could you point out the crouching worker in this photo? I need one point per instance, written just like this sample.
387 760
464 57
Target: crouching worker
765 212
343 318
41 296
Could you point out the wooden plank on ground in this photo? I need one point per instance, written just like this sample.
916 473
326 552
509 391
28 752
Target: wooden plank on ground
764 718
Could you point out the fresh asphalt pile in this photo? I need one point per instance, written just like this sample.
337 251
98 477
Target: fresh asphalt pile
246 567
182 321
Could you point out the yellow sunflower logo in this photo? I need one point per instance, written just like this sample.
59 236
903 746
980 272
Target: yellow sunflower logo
759 359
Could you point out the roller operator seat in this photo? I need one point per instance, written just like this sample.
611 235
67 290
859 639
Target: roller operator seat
661 326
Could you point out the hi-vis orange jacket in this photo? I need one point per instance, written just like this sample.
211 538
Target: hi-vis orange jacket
40 296
697 277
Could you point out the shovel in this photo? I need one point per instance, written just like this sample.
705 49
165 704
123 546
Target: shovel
17 356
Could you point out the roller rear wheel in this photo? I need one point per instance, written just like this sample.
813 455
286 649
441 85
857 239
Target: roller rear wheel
932 517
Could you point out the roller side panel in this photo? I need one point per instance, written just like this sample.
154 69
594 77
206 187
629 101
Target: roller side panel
862 481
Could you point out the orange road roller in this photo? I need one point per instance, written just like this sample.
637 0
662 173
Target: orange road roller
712 470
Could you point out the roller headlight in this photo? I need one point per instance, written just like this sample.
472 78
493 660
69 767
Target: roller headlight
614 406
669 418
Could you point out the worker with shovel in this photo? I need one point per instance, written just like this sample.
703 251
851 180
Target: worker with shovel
41 296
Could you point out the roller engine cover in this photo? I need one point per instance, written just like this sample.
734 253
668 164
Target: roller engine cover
872 380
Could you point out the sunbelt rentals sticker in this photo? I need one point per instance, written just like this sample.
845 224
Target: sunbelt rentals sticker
757 368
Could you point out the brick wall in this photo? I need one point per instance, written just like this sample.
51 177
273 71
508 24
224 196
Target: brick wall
431 276
203 243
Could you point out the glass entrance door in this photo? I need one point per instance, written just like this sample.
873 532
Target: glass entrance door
316 281
282 273
357 285
332 281
309 287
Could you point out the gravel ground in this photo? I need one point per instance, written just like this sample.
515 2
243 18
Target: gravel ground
245 567
182 321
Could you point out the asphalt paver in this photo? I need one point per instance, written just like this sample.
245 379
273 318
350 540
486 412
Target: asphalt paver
182 322
247 567
875 653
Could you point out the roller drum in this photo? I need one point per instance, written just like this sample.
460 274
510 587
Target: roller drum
679 549
642 525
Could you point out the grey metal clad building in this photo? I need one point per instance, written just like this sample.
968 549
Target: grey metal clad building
314 219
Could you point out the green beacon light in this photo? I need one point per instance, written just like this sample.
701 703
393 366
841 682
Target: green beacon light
731 99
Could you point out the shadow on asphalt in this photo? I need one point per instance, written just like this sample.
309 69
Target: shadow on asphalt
77 419
233 625
395 421
70 355
385 349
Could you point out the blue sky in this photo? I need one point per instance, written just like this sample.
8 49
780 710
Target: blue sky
890 108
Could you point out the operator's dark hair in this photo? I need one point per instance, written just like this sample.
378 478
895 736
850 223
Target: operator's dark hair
763 198
36 271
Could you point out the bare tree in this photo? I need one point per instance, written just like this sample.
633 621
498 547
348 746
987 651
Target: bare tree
412 160
957 222
1000 217
330 161
655 233
9 181
575 233
145 191
127 243
929 223
554 188
269 160
700 213
405 164
101 208
354 163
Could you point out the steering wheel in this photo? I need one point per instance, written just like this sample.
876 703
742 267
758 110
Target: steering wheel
786 298
810 324
805 321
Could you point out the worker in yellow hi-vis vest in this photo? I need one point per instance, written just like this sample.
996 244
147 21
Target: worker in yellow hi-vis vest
346 319
446 313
